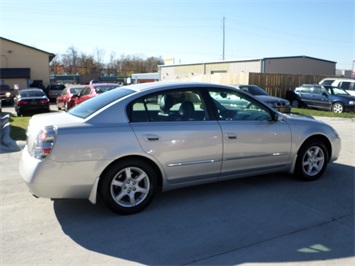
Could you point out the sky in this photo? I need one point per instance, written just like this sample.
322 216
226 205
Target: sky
188 31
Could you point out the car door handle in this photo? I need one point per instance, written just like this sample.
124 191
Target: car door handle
230 135
151 137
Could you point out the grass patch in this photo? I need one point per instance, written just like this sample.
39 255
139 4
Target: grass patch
18 126
313 112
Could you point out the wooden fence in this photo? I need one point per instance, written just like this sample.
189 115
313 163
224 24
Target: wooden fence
274 84
278 84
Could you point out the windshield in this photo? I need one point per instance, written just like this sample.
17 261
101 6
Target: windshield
4 88
253 90
339 91
89 107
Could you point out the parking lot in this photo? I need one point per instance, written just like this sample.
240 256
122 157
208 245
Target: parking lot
263 220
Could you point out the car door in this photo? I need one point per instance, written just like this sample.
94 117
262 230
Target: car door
186 143
252 140
84 94
320 100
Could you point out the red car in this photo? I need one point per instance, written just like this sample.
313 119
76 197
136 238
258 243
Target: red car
66 99
92 90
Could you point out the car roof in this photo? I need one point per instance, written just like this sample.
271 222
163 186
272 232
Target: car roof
32 89
103 84
172 85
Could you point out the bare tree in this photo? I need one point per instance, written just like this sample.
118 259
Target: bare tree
70 60
99 55
111 64
73 62
55 67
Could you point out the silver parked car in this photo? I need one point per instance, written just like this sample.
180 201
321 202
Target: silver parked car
131 142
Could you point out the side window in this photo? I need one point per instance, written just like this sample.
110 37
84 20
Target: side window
306 89
318 90
233 106
181 105
87 91
64 91
345 85
82 92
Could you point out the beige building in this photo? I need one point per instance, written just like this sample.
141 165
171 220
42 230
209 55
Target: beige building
23 65
237 71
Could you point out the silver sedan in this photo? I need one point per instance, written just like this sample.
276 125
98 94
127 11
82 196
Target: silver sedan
129 143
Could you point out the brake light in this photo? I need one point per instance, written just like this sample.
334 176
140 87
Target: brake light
44 101
44 142
22 103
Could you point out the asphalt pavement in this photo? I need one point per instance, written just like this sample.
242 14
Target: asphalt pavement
262 220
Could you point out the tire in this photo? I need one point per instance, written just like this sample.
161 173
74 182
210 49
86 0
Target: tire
295 103
128 187
337 108
312 160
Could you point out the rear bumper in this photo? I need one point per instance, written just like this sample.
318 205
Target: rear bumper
48 179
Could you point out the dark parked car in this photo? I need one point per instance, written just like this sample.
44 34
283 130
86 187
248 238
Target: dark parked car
54 90
125 147
7 94
341 100
309 96
282 105
67 98
321 97
92 90
31 101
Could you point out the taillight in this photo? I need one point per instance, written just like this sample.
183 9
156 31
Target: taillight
44 101
22 102
44 142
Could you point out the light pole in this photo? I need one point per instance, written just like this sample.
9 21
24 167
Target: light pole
224 19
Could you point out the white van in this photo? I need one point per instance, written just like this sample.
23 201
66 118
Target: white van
346 84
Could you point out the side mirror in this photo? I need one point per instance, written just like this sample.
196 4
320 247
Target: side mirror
278 117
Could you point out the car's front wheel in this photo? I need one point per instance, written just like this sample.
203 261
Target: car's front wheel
337 108
312 160
295 103
128 186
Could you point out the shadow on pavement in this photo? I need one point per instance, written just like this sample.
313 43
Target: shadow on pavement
263 219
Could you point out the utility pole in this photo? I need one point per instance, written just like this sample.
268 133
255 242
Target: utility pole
224 19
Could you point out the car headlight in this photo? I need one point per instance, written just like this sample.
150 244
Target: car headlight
8 94
352 102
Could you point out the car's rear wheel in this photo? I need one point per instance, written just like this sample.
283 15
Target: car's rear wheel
128 186
312 160
337 108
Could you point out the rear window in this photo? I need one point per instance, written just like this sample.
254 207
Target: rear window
30 93
101 89
327 82
89 107
56 87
